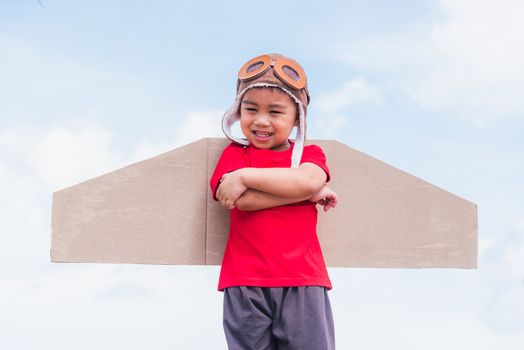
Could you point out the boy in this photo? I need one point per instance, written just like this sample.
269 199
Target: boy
273 274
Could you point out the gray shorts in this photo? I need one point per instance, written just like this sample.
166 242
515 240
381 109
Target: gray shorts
260 318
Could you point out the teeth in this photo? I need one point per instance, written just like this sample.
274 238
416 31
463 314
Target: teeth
260 133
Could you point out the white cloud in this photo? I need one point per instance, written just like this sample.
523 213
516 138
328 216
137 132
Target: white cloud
414 309
503 268
482 60
191 127
388 52
514 254
484 245
327 126
199 124
506 310
329 117
64 157
351 93
468 61
69 303
33 164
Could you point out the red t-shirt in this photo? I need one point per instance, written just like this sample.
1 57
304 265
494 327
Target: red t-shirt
273 247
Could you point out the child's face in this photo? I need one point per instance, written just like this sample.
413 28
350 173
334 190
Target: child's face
267 118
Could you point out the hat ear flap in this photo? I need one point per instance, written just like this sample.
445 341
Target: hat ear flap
231 116
300 138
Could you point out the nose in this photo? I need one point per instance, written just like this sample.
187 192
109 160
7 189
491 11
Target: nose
262 119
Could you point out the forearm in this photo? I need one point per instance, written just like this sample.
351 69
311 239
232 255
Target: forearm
256 200
283 182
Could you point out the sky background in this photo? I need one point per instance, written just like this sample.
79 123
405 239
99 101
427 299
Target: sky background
431 87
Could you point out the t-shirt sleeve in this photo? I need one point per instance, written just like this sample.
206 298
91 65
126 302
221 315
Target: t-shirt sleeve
314 154
231 159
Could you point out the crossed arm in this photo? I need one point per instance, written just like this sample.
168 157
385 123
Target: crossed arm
261 188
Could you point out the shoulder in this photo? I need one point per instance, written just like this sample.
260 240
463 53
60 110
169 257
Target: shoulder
313 151
314 154
313 147
234 145
233 148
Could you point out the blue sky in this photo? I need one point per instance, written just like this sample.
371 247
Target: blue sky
431 87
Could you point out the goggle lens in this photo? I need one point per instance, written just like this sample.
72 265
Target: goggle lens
291 73
255 66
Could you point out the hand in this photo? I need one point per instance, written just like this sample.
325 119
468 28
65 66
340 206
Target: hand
230 189
326 197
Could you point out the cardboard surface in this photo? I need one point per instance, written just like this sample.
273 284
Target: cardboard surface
160 211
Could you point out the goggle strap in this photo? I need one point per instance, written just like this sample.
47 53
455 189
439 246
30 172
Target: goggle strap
278 68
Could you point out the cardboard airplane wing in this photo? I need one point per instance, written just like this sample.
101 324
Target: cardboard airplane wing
160 211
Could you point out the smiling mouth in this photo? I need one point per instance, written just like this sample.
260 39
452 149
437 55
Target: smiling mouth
262 133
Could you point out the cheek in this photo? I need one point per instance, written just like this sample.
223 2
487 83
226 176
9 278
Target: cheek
244 122
286 123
